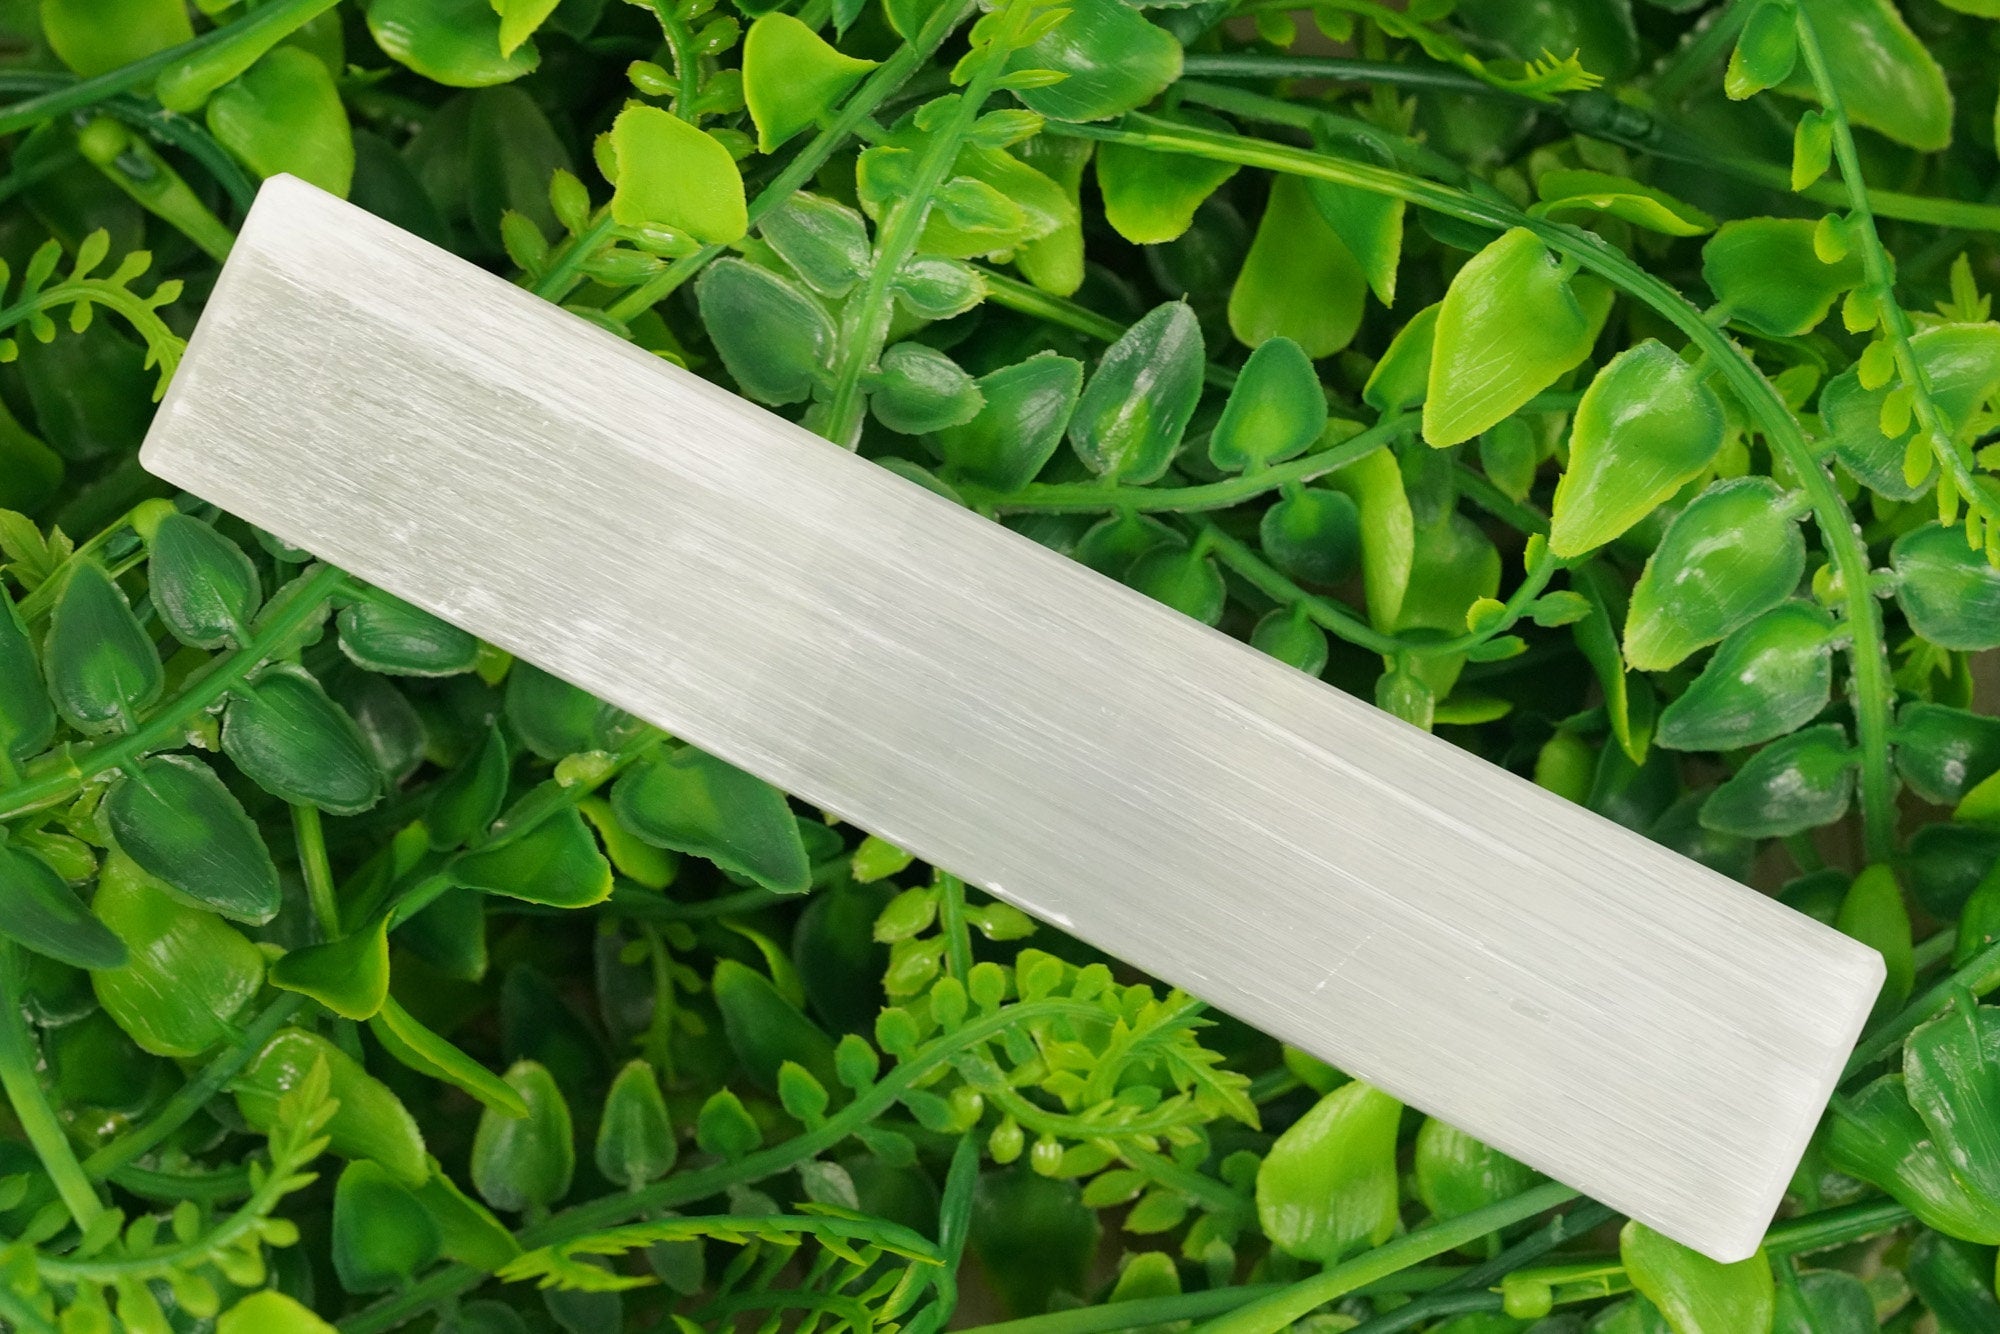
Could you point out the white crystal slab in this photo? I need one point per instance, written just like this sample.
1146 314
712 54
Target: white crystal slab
1614 1014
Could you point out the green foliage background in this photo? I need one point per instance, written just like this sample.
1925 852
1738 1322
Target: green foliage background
1605 384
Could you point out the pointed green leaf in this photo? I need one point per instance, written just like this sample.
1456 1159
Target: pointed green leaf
382 1235
27 719
175 819
368 1120
674 177
1873 912
290 739
765 1029
1796 783
692 802
557 863
1877 1136
1370 225
187 974
1328 1186
1151 197
525 1162
635 1140
1734 553
1388 532
1565 192
387 635
469 1232
1952 1067
1887 79
429 1054
773 337
1766 51
204 587
41 912
1275 410
1768 678
349 976
1135 409
468 799
792 77
1298 281
1767 273
1696 1294
102 668
1020 425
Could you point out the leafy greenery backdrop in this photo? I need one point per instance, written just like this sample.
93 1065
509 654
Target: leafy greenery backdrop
1489 369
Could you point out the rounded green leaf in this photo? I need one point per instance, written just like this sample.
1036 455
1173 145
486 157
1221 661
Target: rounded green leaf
1298 281
792 77
1183 578
39 911
1773 675
1509 327
1290 636
1949 592
1766 51
93 37
387 635
1033 1235
1275 410
369 1122
1135 409
1877 1136
766 1030
382 1234
1887 79
1456 1174
557 863
270 1312
468 1230
917 389
1872 911
1020 424
674 177
203 585
692 802
1961 363
556 718
826 243
1113 60
187 974
774 338
1314 536
1401 378
349 976
468 799
102 668
1952 1069
1942 752
1796 783
453 42
1328 1186
1697 1295
290 739
175 819
1150 197
27 719
284 114
1734 553
429 1054
1766 272
1647 426
635 1140
525 1162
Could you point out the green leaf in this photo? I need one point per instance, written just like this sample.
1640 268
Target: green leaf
39 911
174 818
187 974
556 863
431 1055
1796 783
204 587
1182 578
1020 424
824 241
1646 427
1696 1294
792 77
93 37
1509 327
675 177
1734 553
1872 912
1135 409
1388 532
765 1029
774 338
1769 677
1315 536
1113 60
1369 225
1054 262
349 976
1401 378
1275 410
1150 197
290 739
1949 592
1290 636
452 42
635 1139
725 1127
270 1312
102 668
1952 1066
1825 1301
692 802
1942 752
1766 51
469 1232
1564 191
382 1235
1627 698
1033 1236
917 389
931 287
556 718
525 1162
27 719
1886 78
284 115
1961 364
1328 1186
186 84
468 799
1298 281
1877 1136
1457 1174
368 1122
1767 273
387 635
995 202
1955 1280
519 20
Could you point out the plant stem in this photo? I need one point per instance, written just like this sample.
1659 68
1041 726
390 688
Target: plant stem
1415 74
570 257
1980 975
951 920
687 66
311 836
18 1059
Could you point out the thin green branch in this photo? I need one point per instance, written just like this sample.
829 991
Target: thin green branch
18 1061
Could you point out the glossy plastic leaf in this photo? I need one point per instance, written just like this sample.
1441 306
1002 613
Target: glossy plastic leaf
1290 636
1955 1279
1767 273
917 389
1766 51
675 177
468 799
1328 1186
102 668
1369 225
1129 422
773 337
1825 1301
187 974
429 1054
692 802
1298 281
1886 77
368 1122
1315 536
1877 1136
293 741
1113 60
1771 676
1628 698
349 976
527 1161
766 1030
27 719
1150 197
1566 192
39 911
1019 426
1693 1292
635 1139
1947 589
792 77
387 635
1647 426
1961 363
1401 378
453 42
382 1235
1457 1174
467 1229
204 587
557 863
555 718
284 114
1796 783
1275 410
1941 752
269 1311
1952 1069
1734 553
93 37
1509 327
1182 578
174 818
1388 531
1873 912
824 241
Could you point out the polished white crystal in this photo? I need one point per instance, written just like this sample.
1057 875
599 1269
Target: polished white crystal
1614 1014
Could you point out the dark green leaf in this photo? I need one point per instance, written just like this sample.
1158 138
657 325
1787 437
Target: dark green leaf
204 587
1734 553
692 802
765 1029
1942 752
1877 1136
103 669
557 863
382 1235
555 718
468 799
1797 783
1129 422
774 338
387 635
918 389
175 819
1769 677
425 1052
1027 406
349 976
368 1122
27 720
635 1140
824 241
290 739
1183 578
41 912
525 1162
1314 536
1947 589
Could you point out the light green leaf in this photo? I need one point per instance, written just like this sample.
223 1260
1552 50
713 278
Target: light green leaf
1886 77
1275 410
1696 1294
1328 1186
452 42
349 976
284 114
917 389
1135 409
1151 197
1769 677
1564 191
1767 273
792 77
1734 553
674 177
429 1054
1298 281
1113 60
187 973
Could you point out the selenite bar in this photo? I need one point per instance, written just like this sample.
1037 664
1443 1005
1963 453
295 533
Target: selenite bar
1618 1016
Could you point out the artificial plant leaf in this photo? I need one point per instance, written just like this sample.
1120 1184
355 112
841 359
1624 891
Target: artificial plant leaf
1327 1188
1825 1301
1955 1279
1054 262
1457 1174
429 1054
349 976
1275 410
1766 51
1183 578
1113 60
1150 197
173 817
1315 536
1033 1235
520 19
1961 364
1872 911
290 739
766 1030
525 1162
773 337
674 177
1369 225
1734 553
636 1143
1767 678
1947 589
1951 1067
1646 427
555 718
1887 79
1564 191
284 115
1289 635
1298 281
692 802
27 719
1025 408
792 77
387 635
102 668
557 863
467 1229
468 799
1509 327
1694 1293
917 389
382 1235
269 1311
1767 273
1401 378
186 974
1388 531
39 911
453 42
368 1121
824 241
1129 422
1628 699
202 584
93 37
1877 1136
1796 783
1942 752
